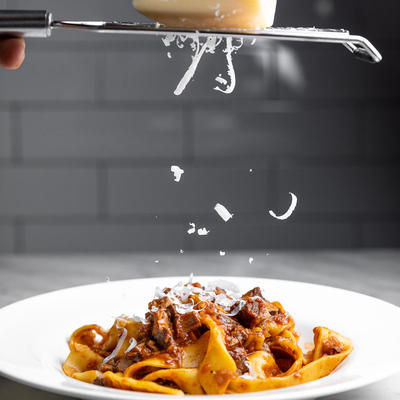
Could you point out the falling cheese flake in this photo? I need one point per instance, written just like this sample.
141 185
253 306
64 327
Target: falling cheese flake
157 261
203 232
251 259
181 251
221 80
178 172
289 212
199 48
223 212
229 50
192 228
222 253
168 39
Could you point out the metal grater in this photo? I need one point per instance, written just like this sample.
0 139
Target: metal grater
40 24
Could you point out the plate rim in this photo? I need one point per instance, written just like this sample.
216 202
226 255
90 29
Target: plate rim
306 394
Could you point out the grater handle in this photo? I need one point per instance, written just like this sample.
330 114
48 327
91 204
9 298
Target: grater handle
25 23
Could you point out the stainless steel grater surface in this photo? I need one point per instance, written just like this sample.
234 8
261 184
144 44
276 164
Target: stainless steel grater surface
40 24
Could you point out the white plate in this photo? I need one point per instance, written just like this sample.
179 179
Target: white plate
34 333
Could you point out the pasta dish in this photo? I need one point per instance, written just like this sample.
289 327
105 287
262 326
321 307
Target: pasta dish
198 339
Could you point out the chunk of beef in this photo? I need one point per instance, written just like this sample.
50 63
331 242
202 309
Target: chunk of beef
256 309
142 351
160 317
99 381
126 361
185 324
110 366
236 336
253 312
162 332
256 292
164 304
143 332
240 357
235 333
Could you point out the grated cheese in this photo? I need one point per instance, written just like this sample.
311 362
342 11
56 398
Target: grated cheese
179 296
229 50
203 232
192 228
178 172
132 345
251 259
199 49
222 253
223 212
118 346
221 80
289 212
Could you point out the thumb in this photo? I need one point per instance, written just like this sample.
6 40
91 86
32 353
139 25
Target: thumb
12 53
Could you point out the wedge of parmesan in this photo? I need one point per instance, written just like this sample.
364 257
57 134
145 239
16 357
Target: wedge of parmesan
203 14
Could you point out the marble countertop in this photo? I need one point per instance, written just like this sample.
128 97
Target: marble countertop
375 273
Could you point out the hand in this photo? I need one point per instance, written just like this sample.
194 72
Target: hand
12 53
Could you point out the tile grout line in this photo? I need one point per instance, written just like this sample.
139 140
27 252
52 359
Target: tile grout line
261 104
12 4
16 134
99 77
359 129
102 190
188 134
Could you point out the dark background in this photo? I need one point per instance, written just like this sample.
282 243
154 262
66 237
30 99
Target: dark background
89 128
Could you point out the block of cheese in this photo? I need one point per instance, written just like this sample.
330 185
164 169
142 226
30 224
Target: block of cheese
203 14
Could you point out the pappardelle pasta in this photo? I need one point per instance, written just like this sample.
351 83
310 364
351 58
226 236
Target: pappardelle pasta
203 340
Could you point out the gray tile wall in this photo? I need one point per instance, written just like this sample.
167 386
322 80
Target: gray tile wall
89 128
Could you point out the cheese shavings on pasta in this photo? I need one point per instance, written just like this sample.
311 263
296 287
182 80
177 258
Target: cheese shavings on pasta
200 340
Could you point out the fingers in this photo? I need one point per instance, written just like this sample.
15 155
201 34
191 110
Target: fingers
12 53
